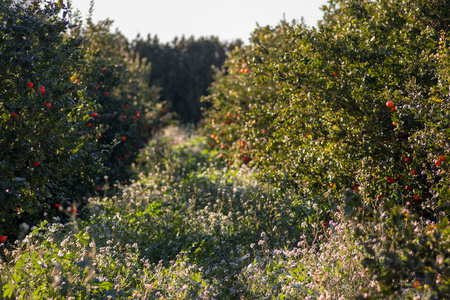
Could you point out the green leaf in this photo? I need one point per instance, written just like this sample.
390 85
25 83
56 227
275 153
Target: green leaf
106 285
8 290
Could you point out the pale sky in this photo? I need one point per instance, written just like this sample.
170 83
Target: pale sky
227 19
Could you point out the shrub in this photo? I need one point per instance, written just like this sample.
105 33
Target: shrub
315 105
409 255
118 80
49 158
76 108
357 104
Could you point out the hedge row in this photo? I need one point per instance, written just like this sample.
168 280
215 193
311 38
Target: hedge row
351 114
74 108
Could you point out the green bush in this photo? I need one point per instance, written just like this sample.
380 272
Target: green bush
76 109
49 158
315 105
358 104
408 254
129 109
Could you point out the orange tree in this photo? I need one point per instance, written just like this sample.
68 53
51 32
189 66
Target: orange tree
345 104
357 104
49 158
75 107
338 85
415 254
118 81
235 121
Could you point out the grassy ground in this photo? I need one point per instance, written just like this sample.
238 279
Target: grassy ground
189 227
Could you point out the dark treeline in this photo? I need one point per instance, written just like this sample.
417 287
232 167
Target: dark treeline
184 69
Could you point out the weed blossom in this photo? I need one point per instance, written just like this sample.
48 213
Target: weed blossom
189 228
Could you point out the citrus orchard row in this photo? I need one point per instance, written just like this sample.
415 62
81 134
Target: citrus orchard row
75 109
356 107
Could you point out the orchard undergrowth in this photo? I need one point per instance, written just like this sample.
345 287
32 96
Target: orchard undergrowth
189 227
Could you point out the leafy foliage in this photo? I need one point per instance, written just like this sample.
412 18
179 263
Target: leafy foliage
357 105
75 107
118 81
48 157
